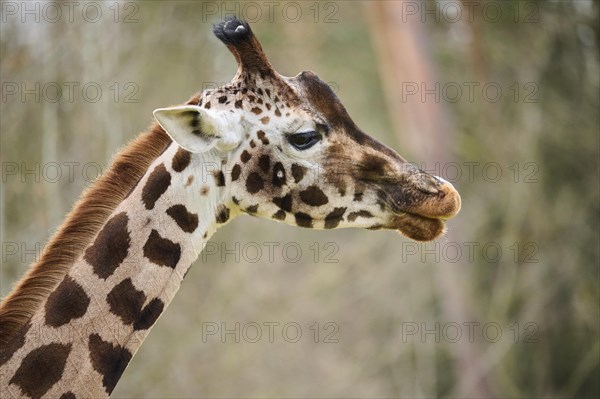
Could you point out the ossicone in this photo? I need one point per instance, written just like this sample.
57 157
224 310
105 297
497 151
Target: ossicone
240 40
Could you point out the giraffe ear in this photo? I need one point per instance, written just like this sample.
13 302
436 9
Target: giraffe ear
198 129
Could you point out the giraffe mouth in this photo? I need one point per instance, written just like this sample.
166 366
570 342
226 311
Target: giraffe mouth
417 227
426 221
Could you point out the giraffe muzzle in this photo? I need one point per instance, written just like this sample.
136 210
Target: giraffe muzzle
441 200
423 205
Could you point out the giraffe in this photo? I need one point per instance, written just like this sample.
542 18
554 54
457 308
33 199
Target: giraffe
265 145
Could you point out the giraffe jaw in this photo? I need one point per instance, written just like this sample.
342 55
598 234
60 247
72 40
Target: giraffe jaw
418 228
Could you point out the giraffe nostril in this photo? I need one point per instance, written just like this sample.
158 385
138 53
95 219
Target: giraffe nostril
428 184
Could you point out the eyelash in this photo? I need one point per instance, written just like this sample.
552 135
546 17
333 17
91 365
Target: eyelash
304 140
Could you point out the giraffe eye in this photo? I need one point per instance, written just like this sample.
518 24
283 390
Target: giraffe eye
304 140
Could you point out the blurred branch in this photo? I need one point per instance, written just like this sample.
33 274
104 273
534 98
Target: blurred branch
401 45
403 60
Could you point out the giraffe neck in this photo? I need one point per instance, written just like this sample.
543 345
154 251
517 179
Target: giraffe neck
87 330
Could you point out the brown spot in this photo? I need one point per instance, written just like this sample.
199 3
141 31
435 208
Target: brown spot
16 343
303 220
278 175
207 105
252 144
256 110
262 136
260 91
268 106
219 178
313 196
279 215
109 360
67 302
252 209
41 369
110 247
245 157
340 184
336 151
277 112
264 162
162 251
222 99
222 214
235 200
333 219
372 168
254 183
189 181
235 172
298 172
156 185
127 302
187 221
358 197
352 216
238 104
181 160
204 190
68 395
382 199
265 120
284 203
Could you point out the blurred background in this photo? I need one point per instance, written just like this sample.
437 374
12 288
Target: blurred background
500 98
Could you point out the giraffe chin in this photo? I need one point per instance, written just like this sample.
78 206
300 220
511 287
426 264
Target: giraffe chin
418 228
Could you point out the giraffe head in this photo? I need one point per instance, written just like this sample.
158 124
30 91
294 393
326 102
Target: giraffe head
292 153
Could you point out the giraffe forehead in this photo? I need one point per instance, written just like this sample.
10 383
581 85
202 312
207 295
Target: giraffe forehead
265 112
253 89
276 99
319 98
